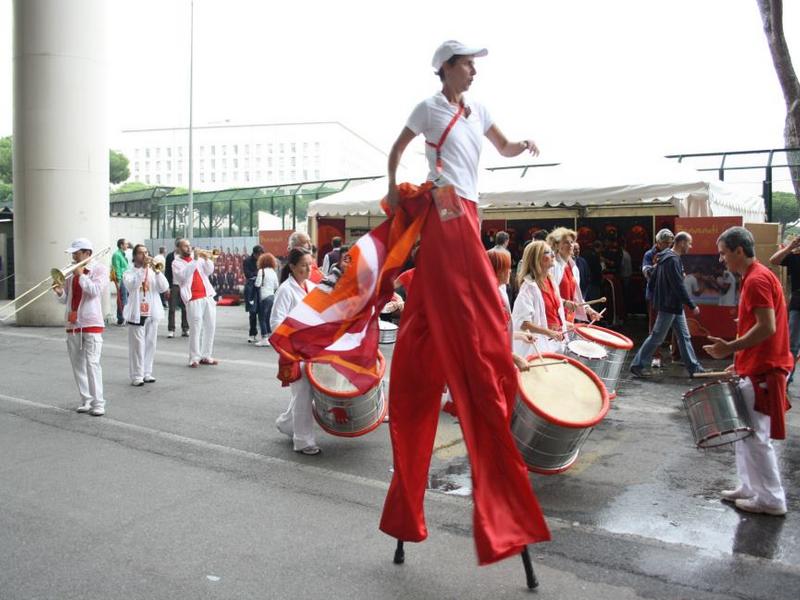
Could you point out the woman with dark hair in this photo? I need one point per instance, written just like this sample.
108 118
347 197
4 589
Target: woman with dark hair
267 284
297 421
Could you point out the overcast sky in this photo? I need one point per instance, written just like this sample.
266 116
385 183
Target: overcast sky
607 78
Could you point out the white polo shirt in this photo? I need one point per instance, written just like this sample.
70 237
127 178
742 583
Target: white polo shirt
462 148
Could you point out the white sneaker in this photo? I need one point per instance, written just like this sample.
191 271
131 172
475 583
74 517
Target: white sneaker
149 379
734 495
262 342
252 339
85 407
137 382
171 334
656 363
753 506
97 412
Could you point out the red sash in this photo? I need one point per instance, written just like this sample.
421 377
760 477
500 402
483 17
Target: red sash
551 305
438 147
567 289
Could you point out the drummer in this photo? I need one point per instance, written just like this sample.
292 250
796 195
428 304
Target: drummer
762 360
567 276
297 421
538 307
501 263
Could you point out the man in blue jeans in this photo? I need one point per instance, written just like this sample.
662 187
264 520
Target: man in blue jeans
669 298
789 256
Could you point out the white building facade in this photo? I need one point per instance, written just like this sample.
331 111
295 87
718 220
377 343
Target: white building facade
233 156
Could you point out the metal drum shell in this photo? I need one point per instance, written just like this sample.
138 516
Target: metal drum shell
364 412
549 445
387 335
717 414
617 353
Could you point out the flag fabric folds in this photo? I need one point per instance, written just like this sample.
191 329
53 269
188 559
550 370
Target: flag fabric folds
339 324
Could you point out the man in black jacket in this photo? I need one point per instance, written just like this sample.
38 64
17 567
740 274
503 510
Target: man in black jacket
250 266
669 298
174 299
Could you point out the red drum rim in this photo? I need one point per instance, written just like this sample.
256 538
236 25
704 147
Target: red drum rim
350 394
555 421
351 434
555 470
584 331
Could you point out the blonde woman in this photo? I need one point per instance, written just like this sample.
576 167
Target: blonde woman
566 275
538 307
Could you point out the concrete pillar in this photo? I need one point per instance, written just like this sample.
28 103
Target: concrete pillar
60 140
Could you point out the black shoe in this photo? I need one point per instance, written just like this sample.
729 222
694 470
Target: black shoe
185 334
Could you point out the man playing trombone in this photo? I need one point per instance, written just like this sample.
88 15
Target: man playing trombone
191 275
82 292
144 281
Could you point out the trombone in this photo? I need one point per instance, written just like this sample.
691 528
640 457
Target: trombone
57 278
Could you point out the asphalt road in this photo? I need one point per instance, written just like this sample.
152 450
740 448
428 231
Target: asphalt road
185 490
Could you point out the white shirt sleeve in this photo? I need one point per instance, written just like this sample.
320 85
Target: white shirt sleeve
486 118
282 306
419 120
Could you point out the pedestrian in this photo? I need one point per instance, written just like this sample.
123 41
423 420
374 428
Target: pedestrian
251 296
297 421
762 360
469 317
191 274
82 294
501 240
789 257
119 264
663 241
332 258
669 298
161 258
266 285
174 297
301 240
538 308
142 314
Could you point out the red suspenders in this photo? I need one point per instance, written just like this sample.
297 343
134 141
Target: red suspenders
438 147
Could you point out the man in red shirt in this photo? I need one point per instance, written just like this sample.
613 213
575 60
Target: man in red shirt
762 360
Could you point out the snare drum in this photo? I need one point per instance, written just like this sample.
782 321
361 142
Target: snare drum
717 414
559 403
338 406
387 333
589 354
617 347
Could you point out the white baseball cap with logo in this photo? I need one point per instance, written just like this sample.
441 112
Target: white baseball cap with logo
79 244
452 48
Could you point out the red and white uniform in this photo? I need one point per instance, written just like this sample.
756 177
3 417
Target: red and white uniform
144 288
82 296
763 369
567 278
539 309
297 420
460 339
197 294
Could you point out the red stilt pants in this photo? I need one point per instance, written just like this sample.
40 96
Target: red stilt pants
454 331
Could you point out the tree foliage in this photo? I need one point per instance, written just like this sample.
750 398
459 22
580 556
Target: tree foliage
785 208
5 159
118 170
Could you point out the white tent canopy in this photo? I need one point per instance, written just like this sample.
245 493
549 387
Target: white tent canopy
693 193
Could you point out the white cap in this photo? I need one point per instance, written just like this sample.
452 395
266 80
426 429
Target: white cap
79 244
451 48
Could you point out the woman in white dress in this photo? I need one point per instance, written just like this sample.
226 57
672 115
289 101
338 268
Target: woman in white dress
297 421
538 307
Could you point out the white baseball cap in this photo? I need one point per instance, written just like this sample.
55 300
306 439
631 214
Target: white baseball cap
452 48
79 244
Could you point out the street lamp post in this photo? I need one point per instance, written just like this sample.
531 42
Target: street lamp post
190 219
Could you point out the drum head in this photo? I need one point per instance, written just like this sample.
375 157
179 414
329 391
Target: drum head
604 336
565 393
386 326
331 382
587 349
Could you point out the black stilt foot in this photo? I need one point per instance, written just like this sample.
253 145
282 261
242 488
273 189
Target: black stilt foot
399 553
530 576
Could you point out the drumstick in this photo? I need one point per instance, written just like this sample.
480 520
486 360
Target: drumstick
598 301
545 364
539 354
714 375
597 318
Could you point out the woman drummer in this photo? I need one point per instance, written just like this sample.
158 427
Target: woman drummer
501 263
297 421
567 277
538 308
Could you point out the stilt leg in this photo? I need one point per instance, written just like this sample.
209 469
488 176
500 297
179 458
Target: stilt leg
399 553
530 576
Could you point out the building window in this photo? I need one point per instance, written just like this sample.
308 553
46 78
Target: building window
293 175
236 175
224 149
147 179
258 148
292 161
246 163
269 148
213 163
180 177
147 152
137 177
202 177
158 152
136 166
224 163
202 163
269 162
202 149
147 165
281 162
247 149
316 173
269 175
180 165
158 178
213 177
247 175
316 147
235 163
305 146
280 175
158 165
223 176
305 174
236 148
169 165
136 153
281 147
169 151
213 150
258 175
293 148
180 150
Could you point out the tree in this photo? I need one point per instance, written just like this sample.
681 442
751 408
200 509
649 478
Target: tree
6 192
785 208
5 159
118 167
772 19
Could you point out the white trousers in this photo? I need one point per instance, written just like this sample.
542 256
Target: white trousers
84 353
298 419
756 463
202 324
142 349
